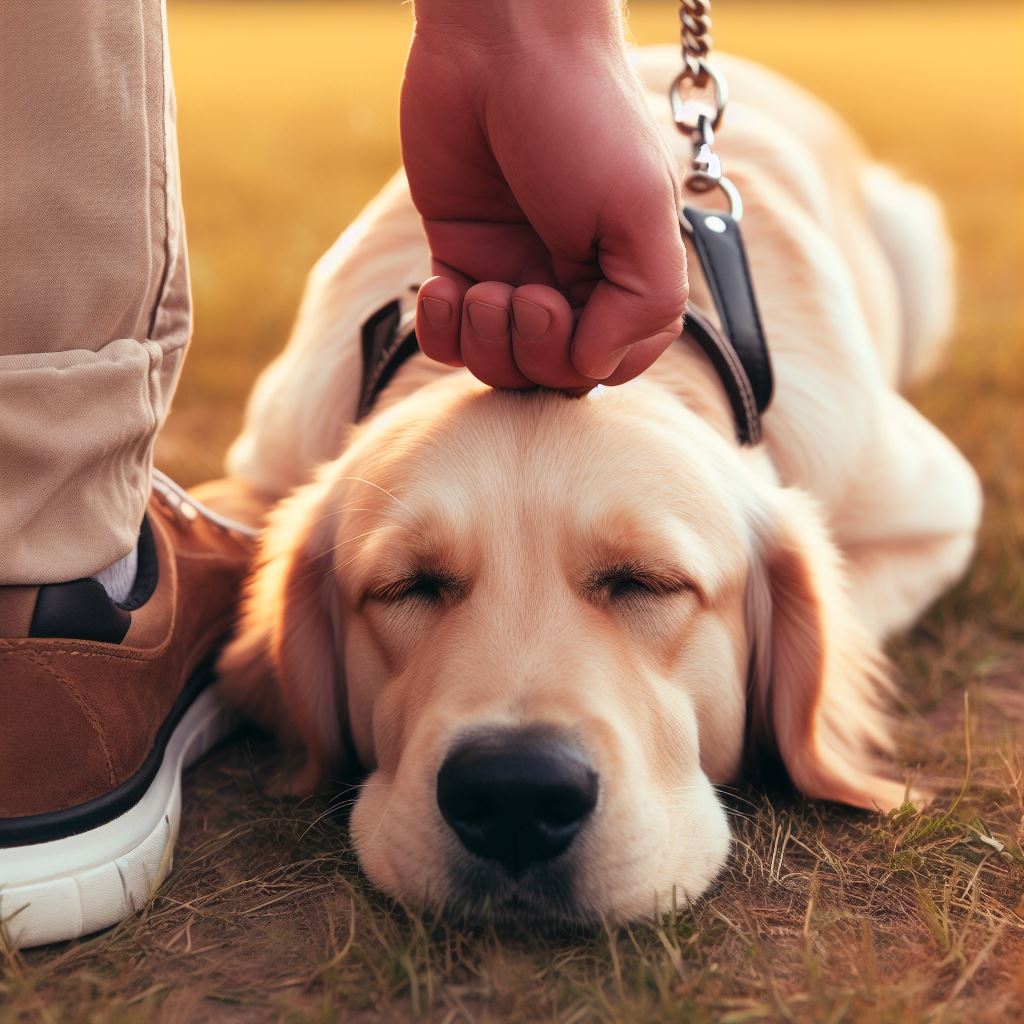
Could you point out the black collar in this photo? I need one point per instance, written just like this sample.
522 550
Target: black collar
737 351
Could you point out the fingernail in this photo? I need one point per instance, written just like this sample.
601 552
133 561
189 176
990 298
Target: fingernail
532 321
609 364
488 322
437 311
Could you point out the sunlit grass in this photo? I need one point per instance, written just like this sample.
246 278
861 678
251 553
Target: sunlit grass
288 125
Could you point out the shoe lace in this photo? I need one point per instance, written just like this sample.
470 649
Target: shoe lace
179 499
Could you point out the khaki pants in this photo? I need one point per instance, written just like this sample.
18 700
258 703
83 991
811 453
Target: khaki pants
94 297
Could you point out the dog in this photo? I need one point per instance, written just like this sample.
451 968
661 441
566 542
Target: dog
548 627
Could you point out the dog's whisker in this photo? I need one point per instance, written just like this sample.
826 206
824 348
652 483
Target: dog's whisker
370 483
351 540
335 511
341 565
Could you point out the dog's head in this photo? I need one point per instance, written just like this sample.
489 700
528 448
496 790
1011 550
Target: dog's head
548 628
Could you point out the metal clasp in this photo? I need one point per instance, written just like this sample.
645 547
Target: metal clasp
698 119
686 112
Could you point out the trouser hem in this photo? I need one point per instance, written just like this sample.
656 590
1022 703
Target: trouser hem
77 430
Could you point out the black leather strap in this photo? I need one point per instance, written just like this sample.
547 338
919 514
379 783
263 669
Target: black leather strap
724 262
384 351
731 373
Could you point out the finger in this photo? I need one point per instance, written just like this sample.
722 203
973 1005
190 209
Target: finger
640 356
643 291
542 324
487 336
438 319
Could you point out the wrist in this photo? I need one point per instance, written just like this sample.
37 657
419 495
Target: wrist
514 24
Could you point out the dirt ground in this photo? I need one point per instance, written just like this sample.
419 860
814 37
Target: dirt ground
287 127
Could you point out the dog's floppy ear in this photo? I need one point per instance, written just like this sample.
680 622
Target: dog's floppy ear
818 682
283 668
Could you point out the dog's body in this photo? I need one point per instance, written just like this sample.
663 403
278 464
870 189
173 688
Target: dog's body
614 574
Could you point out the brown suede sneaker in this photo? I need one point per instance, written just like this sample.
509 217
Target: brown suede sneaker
102 705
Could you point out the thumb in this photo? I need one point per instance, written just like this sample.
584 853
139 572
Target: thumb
615 320
642 294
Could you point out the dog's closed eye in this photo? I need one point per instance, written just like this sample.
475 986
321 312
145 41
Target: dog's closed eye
630 582
426 585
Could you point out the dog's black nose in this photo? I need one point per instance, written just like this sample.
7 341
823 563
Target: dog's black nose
516 797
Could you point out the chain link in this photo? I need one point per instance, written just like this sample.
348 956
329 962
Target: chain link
695 36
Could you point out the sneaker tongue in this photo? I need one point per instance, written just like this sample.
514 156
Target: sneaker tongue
79 610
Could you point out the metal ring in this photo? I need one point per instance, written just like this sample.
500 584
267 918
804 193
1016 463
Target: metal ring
704 72
731 192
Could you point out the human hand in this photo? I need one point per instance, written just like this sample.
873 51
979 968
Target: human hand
548 195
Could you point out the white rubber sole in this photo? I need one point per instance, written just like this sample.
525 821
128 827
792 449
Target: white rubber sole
51 892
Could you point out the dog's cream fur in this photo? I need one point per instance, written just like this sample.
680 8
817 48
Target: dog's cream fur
772 574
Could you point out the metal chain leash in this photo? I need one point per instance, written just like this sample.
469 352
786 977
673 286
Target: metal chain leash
699 117
695 35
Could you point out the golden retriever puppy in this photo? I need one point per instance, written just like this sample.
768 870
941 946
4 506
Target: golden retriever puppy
547 627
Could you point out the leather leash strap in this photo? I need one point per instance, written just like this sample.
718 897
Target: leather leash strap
739 352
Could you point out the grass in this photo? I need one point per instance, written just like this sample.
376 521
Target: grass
287 128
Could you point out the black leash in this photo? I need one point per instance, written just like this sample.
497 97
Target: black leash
738 352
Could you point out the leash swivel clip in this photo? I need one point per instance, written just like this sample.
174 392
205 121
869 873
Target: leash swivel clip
699 118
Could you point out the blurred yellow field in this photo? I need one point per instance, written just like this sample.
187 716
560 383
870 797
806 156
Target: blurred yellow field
288 125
